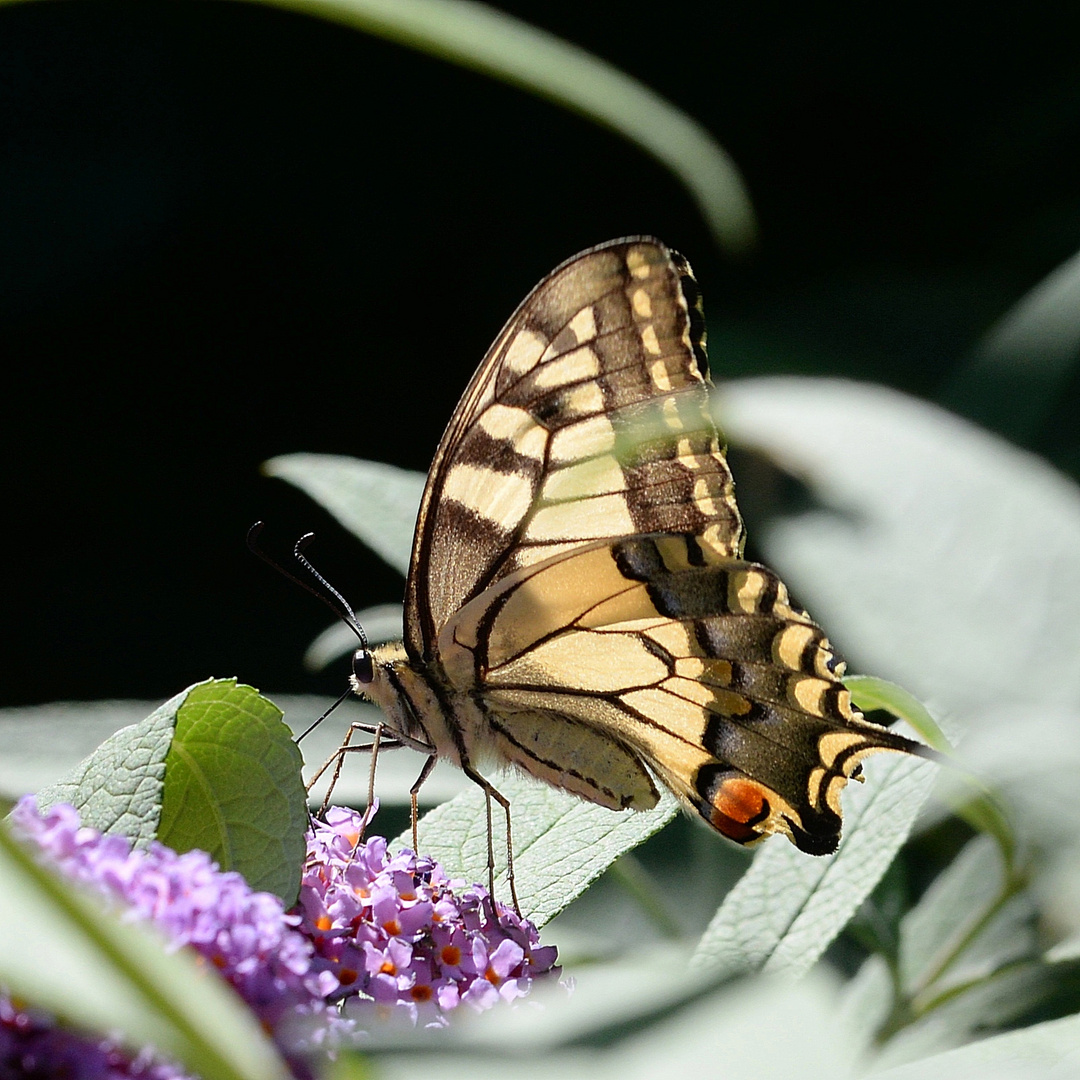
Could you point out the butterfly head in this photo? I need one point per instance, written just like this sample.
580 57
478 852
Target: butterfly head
409 695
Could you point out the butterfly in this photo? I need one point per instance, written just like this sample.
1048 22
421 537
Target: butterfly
577 604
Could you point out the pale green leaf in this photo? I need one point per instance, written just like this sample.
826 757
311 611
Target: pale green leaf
39 744
119 787
789 906
990 1003
866 1001
951 936
377 503
350 1066
213 768
1048 1051
941 557
711 1032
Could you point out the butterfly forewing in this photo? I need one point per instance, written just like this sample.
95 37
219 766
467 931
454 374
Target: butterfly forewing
588 419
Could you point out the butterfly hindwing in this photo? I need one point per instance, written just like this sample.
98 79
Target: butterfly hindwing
702 669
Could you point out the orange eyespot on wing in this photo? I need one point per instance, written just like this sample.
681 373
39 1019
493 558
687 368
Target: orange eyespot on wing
735 805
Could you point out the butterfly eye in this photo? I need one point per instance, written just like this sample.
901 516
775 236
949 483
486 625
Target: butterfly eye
363 667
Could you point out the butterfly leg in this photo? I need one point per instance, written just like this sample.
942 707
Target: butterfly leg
339 761
380 741
414 792
368 728
490 793
369 810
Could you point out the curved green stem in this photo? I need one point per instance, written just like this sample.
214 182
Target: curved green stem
977 804
493 43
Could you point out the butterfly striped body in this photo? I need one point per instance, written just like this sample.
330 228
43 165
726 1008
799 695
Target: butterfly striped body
577 604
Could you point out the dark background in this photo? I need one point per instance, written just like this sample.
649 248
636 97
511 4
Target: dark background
228 232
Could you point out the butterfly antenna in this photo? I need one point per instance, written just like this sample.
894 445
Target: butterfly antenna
341 609
346 613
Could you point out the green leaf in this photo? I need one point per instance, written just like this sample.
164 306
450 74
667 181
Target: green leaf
490 41
561 843
213 768
350 1066
376 502
1043 1050
233 786
789 906
76 959
119 788
1014 378
869 692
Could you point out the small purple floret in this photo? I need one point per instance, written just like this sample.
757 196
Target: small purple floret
396 932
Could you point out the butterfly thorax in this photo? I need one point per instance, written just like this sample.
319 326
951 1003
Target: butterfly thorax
421 705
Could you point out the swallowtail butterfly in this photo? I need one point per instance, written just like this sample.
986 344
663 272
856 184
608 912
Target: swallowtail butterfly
577 604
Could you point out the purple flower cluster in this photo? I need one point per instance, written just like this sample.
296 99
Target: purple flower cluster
245 935
371 936
399 936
